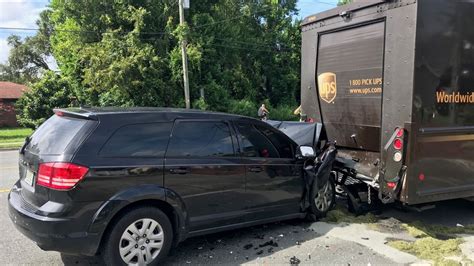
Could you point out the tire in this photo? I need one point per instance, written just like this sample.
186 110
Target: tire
147 250
323 200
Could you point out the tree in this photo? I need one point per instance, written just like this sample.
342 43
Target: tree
126 53
27 58
344 2
237 50
36 105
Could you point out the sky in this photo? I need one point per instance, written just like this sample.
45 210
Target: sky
24 13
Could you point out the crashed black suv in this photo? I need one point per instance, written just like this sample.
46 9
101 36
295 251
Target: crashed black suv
129 184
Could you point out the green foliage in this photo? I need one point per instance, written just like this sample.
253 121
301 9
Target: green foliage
283 113
36 105
127 53
243 107
201 104
344 2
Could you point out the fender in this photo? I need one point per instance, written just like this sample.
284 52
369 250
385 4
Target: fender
122 199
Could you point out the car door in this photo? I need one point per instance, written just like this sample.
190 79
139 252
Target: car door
274 183
201 166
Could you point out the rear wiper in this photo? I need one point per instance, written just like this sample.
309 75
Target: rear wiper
27 141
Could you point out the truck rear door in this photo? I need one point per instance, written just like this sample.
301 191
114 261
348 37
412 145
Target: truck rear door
349 77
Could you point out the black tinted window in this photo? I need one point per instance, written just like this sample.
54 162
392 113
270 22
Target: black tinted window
283 146
138 140
254 143
53 136
200 139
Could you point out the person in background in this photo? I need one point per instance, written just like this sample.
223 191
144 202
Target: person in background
299 112
303 116
262 112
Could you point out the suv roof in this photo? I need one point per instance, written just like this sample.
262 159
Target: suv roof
94 113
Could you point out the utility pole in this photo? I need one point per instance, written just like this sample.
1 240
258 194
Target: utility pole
184 56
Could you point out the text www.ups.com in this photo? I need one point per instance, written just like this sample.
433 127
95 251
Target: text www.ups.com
454 97
365 91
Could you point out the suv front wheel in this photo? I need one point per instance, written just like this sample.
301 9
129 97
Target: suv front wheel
141 236
323 197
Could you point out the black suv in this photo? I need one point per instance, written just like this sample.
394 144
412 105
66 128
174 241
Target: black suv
129 184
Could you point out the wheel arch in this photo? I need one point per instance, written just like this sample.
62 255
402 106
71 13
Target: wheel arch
165 200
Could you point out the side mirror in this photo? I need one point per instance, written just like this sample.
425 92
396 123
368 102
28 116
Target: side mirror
305 152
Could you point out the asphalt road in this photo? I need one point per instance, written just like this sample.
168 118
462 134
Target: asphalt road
275 243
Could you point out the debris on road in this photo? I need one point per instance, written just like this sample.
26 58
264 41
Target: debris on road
248 246
269 243
294 261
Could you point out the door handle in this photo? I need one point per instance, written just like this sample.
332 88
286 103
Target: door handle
255 169
179 171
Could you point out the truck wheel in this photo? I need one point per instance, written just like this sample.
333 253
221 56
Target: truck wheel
142 236
324 199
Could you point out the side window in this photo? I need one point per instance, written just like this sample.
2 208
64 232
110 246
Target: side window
254 143
283 146
138 140
200 139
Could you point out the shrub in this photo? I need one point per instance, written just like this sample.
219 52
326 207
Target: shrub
243 107
36 105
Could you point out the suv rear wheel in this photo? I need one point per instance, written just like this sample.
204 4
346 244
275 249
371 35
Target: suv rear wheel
142 237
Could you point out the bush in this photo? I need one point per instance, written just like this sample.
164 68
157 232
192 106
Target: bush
200 104
283 113
249 108
36 105
243 107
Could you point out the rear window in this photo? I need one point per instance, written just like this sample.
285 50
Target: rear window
138 140
54 135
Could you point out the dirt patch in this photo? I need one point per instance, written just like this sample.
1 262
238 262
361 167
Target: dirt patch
388 225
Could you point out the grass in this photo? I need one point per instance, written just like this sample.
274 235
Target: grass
436 243
342 215
13 138
430 248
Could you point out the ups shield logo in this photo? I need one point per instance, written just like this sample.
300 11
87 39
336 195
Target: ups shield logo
327 86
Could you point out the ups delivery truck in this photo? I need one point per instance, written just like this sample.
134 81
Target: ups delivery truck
392 82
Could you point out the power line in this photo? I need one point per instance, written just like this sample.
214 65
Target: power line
245 48
284 46
86 31
228 19
317 2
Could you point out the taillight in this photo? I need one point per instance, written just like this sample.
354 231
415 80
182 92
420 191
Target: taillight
398 144
391 185
400 132
60 176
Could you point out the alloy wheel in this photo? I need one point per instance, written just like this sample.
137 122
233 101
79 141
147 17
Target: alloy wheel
324 197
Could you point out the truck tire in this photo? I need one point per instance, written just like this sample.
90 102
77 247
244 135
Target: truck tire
141 236
324 199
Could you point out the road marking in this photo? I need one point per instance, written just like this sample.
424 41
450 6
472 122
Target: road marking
10 167
2 190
